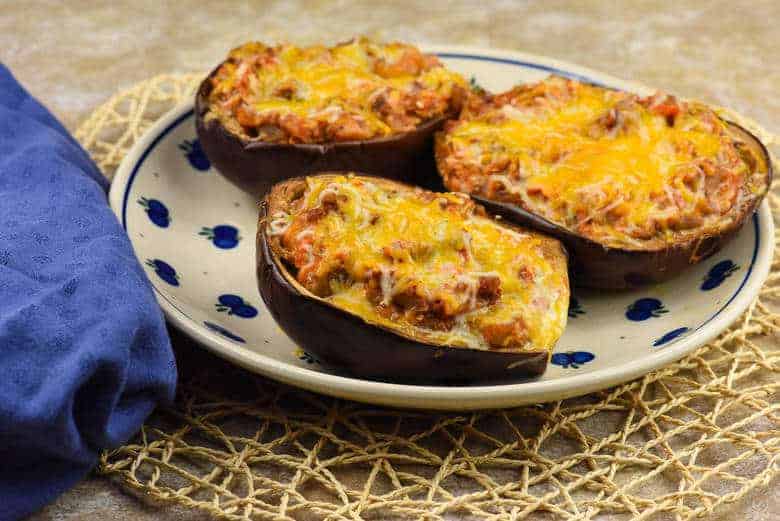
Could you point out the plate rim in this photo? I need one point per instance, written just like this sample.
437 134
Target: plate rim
452 397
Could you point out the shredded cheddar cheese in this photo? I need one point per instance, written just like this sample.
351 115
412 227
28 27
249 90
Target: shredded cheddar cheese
353 91
628 172
429 265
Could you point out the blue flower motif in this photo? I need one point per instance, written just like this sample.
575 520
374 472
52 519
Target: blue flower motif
235 305
717 274
671 335
195 155
157 212
573 359
575 308
306 357
645 308
164 270
224 332
223 236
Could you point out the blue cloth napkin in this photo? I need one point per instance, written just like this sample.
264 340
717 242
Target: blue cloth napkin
84 354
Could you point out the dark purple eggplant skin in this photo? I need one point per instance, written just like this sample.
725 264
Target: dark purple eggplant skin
593 265
350 345
255 166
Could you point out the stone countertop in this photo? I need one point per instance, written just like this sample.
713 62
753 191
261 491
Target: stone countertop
74 55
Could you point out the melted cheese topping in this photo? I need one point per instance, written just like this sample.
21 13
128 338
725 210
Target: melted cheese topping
430 266
619 169
355 90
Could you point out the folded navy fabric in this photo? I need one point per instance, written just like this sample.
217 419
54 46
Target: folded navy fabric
84 354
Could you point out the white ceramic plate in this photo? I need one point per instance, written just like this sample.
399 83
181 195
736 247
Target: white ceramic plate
195 233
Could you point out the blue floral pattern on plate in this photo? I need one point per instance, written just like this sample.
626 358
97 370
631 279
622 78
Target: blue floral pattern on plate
645 308
223 236
671 335
195 155
573 359
718 273
164 270
224 332
198 198
235 305
157 211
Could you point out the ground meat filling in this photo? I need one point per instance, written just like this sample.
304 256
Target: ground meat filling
375 251
353 91
627 171
319 271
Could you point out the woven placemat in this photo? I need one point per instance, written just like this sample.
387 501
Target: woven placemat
680 442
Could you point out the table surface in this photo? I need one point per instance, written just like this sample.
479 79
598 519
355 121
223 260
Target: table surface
74 55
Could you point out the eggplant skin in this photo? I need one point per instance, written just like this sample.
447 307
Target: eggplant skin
349 344
255 166
593 265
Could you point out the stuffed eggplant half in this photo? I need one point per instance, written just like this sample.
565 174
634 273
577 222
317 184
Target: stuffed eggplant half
387 281
637 188
270 113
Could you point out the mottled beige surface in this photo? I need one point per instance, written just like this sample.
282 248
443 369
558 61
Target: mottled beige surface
73 55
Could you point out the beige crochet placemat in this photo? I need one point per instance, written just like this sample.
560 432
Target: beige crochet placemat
679 443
